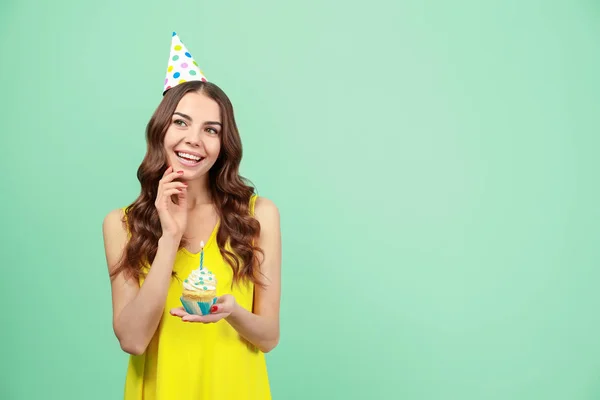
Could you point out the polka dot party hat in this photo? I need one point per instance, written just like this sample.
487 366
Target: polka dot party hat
182 67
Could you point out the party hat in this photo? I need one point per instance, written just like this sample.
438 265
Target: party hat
182 67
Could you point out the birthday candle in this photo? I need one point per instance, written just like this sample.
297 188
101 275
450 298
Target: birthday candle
201 253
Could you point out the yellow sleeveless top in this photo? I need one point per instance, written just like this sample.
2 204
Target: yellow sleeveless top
191 360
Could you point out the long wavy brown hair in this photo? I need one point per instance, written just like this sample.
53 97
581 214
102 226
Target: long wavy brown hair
230 192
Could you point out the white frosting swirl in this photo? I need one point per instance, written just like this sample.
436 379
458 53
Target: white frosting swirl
200 280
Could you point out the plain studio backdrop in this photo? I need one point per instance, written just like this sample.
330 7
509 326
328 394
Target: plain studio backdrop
435 165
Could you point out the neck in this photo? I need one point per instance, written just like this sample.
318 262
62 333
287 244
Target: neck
198 193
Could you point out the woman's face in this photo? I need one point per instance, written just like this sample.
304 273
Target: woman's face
193 139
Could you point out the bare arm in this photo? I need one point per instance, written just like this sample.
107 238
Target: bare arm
137 311
261 327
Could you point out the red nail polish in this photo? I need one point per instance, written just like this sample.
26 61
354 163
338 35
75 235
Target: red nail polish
214 308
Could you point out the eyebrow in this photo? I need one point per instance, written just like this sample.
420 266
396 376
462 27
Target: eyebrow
191 120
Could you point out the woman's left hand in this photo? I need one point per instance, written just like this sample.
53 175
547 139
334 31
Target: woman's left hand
221 309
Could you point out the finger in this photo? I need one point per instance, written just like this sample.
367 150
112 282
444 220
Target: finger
168 193
170 176
179 312
166 198
202 318
176 184
167 171
220 309
182 199
225 299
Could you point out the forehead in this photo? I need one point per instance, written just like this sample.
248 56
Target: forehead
200 107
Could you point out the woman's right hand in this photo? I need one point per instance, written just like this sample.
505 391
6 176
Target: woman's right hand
173 216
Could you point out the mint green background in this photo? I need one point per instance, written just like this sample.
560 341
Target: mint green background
435 165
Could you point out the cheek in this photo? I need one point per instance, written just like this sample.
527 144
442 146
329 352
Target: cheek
170 139
214 147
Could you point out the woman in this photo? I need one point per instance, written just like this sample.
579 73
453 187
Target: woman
192 193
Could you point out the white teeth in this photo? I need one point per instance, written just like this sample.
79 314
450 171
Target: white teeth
189 156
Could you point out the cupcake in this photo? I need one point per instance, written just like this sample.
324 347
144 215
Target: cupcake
199 291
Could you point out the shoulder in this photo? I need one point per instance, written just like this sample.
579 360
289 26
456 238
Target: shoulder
114 223
265 210
115 236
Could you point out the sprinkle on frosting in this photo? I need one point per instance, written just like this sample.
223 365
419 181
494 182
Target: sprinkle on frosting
196 282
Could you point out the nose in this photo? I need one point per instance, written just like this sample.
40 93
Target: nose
194 138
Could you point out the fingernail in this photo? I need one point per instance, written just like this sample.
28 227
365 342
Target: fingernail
185 183
180 172
214 308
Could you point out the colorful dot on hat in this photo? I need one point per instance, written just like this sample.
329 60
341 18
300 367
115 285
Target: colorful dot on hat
203 79
175 58
178 47
182 81
186 280
192 72
176 75
174 33
184 65
188 54
195 63
205 288
166 80
168 87
170 68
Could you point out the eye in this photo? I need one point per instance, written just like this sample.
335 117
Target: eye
212 131
179 122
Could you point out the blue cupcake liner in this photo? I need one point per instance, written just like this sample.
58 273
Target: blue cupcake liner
197 307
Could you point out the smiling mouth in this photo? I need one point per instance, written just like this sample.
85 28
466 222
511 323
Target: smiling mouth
188 159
